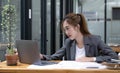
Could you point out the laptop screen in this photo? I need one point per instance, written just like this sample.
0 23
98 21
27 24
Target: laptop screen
28 51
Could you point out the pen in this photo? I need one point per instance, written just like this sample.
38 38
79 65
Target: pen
92 67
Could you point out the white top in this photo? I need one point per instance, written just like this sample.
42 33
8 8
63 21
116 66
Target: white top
80 52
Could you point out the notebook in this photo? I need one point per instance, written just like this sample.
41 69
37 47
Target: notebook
28 52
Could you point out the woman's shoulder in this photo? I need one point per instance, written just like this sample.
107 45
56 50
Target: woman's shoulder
95 39
94 36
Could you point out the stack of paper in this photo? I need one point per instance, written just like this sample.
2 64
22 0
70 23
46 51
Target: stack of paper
71 65
81 65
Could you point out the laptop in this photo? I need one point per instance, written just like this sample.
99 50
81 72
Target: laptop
28 52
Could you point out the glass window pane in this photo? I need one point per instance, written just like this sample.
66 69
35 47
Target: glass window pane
36 20
113 26
94 13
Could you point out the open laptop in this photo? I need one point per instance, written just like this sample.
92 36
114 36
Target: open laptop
28 52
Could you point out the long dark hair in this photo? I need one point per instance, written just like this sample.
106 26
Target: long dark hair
75 19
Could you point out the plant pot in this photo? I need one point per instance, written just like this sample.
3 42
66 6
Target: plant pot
11 60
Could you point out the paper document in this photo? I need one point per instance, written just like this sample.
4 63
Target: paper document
115 60
81 65
71 65
43 67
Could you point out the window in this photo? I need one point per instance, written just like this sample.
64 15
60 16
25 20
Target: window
116 13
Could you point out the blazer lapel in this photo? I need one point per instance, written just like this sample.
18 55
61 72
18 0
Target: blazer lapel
73 51
87 45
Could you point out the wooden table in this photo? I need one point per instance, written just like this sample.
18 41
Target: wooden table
116 48
22 68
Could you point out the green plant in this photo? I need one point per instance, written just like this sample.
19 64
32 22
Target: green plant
9 26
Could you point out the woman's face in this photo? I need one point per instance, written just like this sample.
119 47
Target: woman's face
70 30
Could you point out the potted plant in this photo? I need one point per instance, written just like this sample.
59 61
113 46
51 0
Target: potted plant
8 32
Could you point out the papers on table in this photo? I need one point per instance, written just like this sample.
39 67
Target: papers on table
70 65
81 65
115 61
43 67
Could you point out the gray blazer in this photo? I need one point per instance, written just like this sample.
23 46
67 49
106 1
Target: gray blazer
94 47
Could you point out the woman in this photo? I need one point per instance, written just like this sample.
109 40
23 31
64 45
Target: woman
81 45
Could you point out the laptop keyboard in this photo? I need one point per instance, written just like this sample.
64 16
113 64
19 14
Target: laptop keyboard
42 63
48 62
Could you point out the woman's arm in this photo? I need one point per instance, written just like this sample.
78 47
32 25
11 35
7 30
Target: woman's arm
106 52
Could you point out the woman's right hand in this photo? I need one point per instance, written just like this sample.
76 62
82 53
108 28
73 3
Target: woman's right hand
41 56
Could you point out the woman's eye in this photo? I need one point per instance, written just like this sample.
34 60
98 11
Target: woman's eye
67 28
